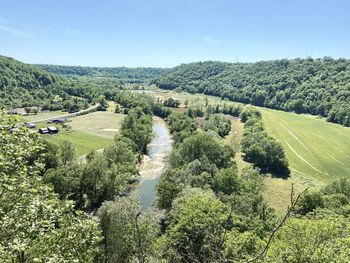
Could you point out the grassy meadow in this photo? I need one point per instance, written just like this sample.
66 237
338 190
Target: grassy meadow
103 124
318 152
84 143
88 132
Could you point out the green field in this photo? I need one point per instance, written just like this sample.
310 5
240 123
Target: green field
84 143
102 124
89 132
313 146
318 152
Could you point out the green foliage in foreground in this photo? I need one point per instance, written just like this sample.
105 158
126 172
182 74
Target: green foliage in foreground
128 234
35 226
214 213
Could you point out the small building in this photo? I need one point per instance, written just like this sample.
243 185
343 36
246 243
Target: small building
30 125
52 129
59 120
43 130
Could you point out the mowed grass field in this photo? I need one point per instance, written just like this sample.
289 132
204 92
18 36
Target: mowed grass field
88 132
318 152
84 143
103 124
313 146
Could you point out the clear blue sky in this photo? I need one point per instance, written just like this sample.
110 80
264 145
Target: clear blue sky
167 33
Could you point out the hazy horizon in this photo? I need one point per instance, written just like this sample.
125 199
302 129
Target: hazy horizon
166 34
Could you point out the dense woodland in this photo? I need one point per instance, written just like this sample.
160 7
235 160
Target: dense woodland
315 86
130 74
24 85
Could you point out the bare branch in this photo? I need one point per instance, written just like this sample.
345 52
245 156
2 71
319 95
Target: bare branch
293 203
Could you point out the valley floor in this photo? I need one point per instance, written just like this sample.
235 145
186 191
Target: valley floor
318 151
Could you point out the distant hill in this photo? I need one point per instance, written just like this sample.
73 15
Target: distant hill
189 76
14 73
105 72
315 86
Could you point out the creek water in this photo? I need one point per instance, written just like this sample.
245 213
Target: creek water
153 163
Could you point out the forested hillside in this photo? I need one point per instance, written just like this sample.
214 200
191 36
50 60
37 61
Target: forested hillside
135 74
25 85
17 74
315 86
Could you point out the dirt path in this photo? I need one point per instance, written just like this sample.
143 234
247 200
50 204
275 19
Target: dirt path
67 115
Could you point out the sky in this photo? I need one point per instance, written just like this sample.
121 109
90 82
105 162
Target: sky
163 33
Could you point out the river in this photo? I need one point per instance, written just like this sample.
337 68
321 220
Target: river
153 163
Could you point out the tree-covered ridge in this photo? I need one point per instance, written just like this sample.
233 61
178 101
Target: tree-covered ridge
315 86
189 76
14 73
138 73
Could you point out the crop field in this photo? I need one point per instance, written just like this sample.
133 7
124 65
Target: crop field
318 152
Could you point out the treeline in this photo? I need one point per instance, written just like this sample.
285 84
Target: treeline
130 74
259 148
147 103
25 85
315 86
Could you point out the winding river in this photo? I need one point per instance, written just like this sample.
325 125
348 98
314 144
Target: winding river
152 165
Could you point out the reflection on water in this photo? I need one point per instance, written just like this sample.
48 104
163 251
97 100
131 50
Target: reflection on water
152 164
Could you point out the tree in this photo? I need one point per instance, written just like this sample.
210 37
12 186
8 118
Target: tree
218 123
137 126
171 103
28 110
196 229
128 233
262 150
304 240
181 126
200 146
67 152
